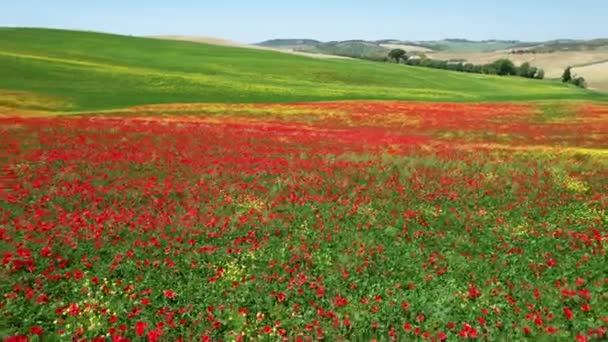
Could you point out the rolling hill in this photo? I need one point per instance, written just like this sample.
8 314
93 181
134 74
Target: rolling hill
380 48
553 62
465 45
225 42
552 56
438 46
349 48
61 70
566 45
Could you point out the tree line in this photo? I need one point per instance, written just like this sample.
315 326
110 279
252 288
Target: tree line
567 77
502 67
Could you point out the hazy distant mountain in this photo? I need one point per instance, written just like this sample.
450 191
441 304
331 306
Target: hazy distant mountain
571 45
290 43
380 48
350 48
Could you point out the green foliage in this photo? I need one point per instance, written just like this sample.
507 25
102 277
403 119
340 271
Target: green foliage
456 66
540 74
579 82
532 72
396 54
524 69
505 67
567 75
502 67
528 71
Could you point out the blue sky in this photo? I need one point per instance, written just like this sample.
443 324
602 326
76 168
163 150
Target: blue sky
257 20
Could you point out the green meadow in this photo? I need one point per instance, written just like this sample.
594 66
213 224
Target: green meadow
57 70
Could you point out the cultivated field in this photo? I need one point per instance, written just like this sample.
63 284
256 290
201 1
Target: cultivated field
595 74
408 48
336 221
148 193
553 63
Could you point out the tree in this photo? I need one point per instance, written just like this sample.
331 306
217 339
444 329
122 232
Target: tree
567 76
452 66
396 54
579 82
540 74
435 64
413 61
426 62
524 70
489 69
505 67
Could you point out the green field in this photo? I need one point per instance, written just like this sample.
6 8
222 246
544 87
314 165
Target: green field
78 71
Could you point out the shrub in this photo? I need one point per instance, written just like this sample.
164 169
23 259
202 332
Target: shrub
579 82
396 54
501 67
414 61
532 72
489 69
505 67
540 74
524 70
567 75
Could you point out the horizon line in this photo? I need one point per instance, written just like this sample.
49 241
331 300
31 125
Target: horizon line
284 38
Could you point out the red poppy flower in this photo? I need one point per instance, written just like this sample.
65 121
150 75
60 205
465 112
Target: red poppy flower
140 328
36 330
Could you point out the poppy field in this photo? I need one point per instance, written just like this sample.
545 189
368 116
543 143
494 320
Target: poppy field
336 221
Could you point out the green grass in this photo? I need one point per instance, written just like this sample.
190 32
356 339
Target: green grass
94 71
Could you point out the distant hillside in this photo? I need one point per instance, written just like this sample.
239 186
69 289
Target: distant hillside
464 45
290 43
408 46
224 42
566 45
552 56
588 57
377 48
81 71
351 48
380 48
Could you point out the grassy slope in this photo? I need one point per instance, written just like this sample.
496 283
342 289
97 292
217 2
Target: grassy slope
90 71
